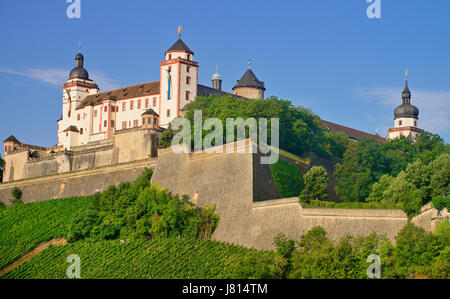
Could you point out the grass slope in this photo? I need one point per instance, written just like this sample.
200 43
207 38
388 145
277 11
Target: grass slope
161 258
24 226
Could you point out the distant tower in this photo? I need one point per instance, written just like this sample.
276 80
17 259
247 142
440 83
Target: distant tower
406 116
249 86
217 80
178 85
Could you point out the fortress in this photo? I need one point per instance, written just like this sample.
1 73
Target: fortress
109 137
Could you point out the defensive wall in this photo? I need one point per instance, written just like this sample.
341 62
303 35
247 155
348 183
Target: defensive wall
241 188
125 146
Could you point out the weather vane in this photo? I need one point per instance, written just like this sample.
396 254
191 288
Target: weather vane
179 31
406 73
249 63
79 47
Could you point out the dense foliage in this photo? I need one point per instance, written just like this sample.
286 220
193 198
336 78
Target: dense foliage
287 178
417 254
172 257
398 171
16 193
142 210
300 129
2 167
349 205
316 183
24 226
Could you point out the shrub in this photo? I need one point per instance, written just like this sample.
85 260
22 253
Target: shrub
16 193
316 183
287 178
440 202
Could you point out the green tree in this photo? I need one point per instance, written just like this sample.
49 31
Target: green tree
378 189
165 140
316 183
440 176
2 167
287 178
336 143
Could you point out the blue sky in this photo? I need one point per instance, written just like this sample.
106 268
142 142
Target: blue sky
322 54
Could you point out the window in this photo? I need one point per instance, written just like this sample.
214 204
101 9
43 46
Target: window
131 105
67 134
124 106
112 124
154 121
78 117
124 125
105 123
154 102
188 68
170 56
399 122
106 109
189 57
146 103
6 148
95 113
139 104
415 123
168 112
135 123
188 80
81 131
187 95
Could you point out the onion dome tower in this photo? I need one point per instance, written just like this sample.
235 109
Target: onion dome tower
217 80
79 71
249 86
406 116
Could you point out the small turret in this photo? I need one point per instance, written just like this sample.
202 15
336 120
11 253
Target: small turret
217 80
249 86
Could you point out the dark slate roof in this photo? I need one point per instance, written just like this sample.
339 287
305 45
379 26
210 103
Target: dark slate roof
350 132
150 112
79 71
203 90
406 110
249 80
179 45
71 129
133 91
12 138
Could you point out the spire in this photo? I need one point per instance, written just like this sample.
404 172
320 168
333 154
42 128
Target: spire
79 71
406 94
217 80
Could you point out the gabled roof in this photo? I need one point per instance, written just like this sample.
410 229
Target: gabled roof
203 90
71 129
350 132
179 45
126 92
150 112
249 80
12 138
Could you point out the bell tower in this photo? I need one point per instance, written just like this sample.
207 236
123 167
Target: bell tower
178 81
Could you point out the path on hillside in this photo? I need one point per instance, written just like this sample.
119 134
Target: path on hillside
33 253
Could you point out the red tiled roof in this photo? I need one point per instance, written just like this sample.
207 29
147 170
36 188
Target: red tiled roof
126 92
351 133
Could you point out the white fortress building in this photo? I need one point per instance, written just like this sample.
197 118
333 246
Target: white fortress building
122 125
89 115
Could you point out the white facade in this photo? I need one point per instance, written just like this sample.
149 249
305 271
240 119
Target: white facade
83 122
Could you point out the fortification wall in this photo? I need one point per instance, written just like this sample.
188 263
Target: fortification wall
74 183
228 180
126 146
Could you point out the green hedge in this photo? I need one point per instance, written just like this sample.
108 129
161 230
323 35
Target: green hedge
287 178
350 205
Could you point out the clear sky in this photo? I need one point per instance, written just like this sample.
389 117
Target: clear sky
323 54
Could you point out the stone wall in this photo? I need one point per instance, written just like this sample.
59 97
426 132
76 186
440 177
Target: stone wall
126 146
234 183
74 183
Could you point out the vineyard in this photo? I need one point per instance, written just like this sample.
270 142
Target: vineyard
24 226
161 258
